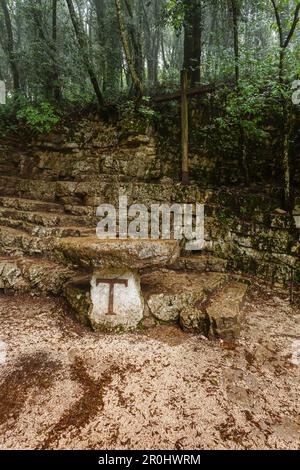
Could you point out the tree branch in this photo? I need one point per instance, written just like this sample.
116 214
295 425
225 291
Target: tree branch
294 24
278 21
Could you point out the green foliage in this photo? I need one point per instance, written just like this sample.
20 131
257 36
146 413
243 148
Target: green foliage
222 217
8 112
74 94
137 119
173 14
249 108
41 118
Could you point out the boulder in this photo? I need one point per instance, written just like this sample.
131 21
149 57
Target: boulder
168 307
169 293
32 274
224 311
194 320
219 315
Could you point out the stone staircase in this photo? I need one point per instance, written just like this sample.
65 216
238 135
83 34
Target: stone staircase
51 190
34 275
29 229
36 210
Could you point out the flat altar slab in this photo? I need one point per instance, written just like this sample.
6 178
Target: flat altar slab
92 252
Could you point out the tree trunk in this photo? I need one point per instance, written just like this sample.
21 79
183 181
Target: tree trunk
56 87
109 41
284 44
137 84
135 43
287 130
193 40
281 64
10 46
235 20
82 41
242 137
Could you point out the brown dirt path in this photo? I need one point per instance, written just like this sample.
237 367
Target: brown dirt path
64 387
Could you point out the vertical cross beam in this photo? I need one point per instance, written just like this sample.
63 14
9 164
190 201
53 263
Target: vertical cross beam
112 283
184 128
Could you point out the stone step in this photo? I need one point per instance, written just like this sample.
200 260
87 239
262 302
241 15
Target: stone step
7 168
46 219
31 205
64 192
203 262
106 188
88 210
59 231
19 242
18 187
33 274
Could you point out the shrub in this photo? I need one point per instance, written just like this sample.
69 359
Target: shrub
41 117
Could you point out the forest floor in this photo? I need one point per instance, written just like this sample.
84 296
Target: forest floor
65 387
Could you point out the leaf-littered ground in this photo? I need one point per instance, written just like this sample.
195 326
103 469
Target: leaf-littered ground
65 387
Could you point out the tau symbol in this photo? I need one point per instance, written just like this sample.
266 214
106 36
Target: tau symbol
112 283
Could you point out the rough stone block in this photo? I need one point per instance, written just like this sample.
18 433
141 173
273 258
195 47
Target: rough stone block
169 293
117 302
224 311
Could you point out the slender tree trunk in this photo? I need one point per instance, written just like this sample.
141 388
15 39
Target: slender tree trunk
193 40
284 43
135 43
82 41
242 137
51 77
155 59
153 43
286 158
56 87
137 84
163 53
111 59
281 64
10 46
102 39
235 19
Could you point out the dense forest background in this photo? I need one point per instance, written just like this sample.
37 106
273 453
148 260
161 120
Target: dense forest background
60 53
70 49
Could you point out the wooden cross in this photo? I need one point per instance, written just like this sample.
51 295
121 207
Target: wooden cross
112 283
